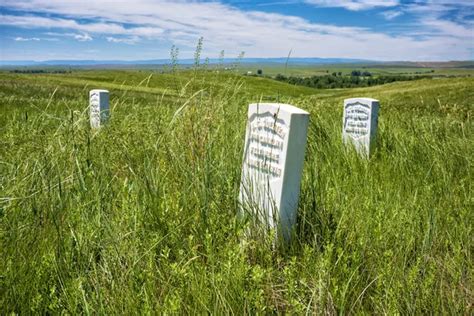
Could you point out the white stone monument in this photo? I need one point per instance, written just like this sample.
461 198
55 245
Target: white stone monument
360 124
99 107
273 161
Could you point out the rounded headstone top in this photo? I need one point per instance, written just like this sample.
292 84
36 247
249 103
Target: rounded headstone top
365 100
282 106
99 91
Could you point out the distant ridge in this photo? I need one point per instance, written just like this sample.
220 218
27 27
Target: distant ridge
277 60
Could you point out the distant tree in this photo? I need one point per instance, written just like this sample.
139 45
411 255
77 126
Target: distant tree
259 72
280 77
339 73
355 73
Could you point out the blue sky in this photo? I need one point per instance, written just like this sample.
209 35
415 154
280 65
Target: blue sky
386 30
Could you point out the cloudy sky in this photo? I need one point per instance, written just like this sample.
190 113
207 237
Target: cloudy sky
146 29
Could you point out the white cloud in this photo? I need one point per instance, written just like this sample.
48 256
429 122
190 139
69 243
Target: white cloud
392 14
35 39
439 7
23 39
448 28
354 5
83 37
126 40
31 21
433 22
468 3
255 32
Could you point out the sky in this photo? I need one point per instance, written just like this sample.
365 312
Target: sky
385 30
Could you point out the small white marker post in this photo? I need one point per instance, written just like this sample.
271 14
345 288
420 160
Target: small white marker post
359 125
99 107
272 165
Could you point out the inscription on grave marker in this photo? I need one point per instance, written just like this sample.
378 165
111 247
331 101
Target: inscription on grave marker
265 144
273 160
360 123
99 107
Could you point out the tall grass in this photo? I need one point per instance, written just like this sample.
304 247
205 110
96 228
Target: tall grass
140 217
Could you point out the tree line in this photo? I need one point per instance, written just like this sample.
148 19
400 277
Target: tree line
337 80
39 71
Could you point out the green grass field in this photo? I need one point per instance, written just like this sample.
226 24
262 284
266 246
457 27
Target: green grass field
141 216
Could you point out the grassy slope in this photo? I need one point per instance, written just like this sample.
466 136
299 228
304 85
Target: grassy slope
141 216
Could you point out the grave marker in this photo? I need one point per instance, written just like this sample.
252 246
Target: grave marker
274 150
360 124
99 107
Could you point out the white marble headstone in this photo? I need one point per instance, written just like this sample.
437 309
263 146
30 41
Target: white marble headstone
273 161
99 107
360 124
